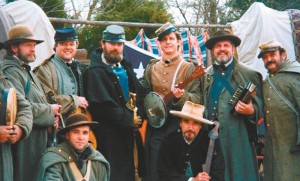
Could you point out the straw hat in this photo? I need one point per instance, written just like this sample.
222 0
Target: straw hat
192 111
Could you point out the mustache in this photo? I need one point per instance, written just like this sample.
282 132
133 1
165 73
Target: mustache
222 51
270 62
189 131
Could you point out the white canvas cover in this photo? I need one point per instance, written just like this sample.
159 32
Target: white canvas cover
260 24
31 15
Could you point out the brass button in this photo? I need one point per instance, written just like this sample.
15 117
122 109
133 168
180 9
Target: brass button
269 99
268 111
268 125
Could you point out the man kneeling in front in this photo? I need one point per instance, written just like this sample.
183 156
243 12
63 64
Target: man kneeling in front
74 159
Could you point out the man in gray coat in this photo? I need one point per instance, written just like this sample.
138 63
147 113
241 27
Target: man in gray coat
282 107
74 159
61 74
20 48
11 132
237 122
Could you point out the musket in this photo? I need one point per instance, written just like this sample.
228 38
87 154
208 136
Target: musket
213 135
51 99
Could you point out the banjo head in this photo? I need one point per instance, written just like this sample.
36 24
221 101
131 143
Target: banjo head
11 107
155 109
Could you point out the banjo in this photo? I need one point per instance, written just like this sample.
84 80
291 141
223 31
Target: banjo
156 106
9 106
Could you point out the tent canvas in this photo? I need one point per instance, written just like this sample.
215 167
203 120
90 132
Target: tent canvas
31 15
34 17
260 24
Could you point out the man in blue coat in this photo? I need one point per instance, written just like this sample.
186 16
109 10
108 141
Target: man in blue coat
107 84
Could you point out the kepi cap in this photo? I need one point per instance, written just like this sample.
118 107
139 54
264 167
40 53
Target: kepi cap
269 46
20 33
114 33
66 34
192 111
222 35
164 30
77 120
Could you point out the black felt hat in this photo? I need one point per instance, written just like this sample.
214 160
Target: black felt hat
222 35
77 120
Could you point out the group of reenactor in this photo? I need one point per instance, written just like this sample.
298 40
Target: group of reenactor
79 122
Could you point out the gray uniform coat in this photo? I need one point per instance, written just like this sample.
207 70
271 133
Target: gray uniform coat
28 152
238 152
23 120
281 127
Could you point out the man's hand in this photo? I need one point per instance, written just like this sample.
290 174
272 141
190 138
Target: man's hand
178 93
82 102
137 120
5 133
202 176
245 109
55 108
16 135
56 122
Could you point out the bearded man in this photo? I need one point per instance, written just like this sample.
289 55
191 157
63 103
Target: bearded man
107 83
20 48
282 102
237 131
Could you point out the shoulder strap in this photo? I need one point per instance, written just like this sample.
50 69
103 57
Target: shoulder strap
285 100
291 106
77 173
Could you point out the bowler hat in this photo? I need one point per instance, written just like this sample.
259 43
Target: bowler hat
164 30
66 34
20 33
269 46
192 111
77 120
114 33
222 35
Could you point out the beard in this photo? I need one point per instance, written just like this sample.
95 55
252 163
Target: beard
222 61
24 58
277 65
112 57
189 135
